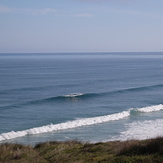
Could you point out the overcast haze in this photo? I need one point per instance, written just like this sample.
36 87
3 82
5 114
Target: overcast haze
81 26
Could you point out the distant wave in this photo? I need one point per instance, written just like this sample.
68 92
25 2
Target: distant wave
77 123
83 96
74 95
140 88
93 95
67 96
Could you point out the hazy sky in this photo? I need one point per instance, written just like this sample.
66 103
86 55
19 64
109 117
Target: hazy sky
81 25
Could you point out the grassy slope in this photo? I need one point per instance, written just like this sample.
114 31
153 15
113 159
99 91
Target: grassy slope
147 151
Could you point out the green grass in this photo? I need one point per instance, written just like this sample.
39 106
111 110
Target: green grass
134 151
15 153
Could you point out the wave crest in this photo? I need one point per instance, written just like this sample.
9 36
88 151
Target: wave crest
74 95
151 108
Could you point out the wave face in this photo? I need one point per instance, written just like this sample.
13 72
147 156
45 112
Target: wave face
78 123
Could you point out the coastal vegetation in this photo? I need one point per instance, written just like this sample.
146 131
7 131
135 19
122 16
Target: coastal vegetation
132 151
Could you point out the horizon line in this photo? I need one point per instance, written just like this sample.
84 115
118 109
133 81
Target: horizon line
78 52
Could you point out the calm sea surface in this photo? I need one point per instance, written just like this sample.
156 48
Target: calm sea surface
88 97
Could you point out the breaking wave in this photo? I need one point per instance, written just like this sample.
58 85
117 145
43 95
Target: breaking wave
151 108
66 125
78 123
74 95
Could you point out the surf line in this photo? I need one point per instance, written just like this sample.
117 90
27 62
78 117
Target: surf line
63 126
77 123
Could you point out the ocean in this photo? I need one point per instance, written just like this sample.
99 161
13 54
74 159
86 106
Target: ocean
89 97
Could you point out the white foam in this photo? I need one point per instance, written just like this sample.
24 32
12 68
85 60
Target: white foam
136 130
1 138
66 125
151 108
74 95
142 130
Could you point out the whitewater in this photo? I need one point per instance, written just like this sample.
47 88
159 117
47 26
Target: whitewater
84 122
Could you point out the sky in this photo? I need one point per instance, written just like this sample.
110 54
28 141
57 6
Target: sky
52 26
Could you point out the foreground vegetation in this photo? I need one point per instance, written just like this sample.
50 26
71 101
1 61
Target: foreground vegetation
134 151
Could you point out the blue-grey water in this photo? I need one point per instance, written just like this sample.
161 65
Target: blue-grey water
82 96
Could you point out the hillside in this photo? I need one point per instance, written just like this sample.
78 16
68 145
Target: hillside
133 151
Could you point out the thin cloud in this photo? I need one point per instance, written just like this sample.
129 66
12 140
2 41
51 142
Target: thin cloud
44 11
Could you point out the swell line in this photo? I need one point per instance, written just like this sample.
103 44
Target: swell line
78 123
139 88
83 96
94 95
